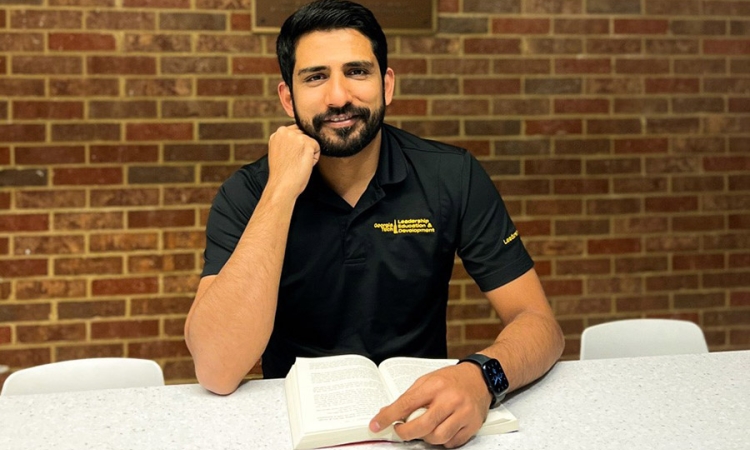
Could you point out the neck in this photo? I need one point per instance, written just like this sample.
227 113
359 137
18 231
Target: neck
349 176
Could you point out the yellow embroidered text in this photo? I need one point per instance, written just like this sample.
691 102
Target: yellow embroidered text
406 226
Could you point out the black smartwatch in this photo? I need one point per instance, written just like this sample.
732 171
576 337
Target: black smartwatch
493 375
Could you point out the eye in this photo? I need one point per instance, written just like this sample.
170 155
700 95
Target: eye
358 72
314 77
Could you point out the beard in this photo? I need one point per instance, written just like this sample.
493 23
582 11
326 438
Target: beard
349 140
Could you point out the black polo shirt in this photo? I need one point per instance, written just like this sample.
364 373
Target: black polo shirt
373 279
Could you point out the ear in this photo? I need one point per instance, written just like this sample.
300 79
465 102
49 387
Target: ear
389 85
285 95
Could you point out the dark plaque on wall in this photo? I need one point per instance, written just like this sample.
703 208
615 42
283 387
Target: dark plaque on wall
395 16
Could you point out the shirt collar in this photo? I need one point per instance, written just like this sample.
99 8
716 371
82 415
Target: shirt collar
392 162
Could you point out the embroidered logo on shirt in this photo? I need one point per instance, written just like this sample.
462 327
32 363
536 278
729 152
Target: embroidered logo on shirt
406 226
510 238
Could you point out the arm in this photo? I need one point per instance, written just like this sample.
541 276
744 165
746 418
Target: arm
232 316
457 397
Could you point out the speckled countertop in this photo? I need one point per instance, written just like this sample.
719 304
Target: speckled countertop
671 402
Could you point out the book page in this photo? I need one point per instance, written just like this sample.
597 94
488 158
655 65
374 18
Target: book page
339 391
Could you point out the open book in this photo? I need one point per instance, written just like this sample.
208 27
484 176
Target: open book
332 399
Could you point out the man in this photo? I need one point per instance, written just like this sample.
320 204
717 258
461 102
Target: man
342 240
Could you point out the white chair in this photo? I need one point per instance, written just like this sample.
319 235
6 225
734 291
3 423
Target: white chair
84 375
642 337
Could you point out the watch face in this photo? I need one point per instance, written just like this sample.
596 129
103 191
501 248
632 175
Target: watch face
496 376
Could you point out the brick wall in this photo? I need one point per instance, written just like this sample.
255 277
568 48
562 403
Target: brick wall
618 132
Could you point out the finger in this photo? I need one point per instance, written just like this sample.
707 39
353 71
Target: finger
460 438
411 400
445 431
426 425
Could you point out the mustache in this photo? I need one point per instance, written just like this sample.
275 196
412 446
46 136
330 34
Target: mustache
347 109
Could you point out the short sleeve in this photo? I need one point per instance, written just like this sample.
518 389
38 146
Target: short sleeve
489 244
230 212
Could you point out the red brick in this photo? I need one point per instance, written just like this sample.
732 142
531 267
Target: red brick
726 8
733 85
233 87
124 329
50 289
121 65
567 66
553 86
673 125
88 266
48 245
553 46
698 262
521 66
672 46
726 46
628 85
582 146
81 42
552 208
582 106
51 333
45 20
230 130
68 352
120 20
241 22
124 197
159 131
695 223
124 286
122 109
13 87
613 126
196 152
161 263
161 43
673 7
90 309
454 66
672 85
700 66
88 221
698 27
22 133
491 86
161 175
520 26
614 246
50 155
641 65
421 86
556 166
21 42
24 222
183 4
84 87
492 46
642 303
87 176
194 65
174 240
123 153
638 145
25 357
577 187
47 110
581 26
17 268
525 107
640 184
613 46
197 108
641 26
401 107
159 87
123 242
85 132
192 21
161 219
235 44
641 105
42 65
158 349
671 204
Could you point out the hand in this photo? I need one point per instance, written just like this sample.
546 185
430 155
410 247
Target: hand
291 157
457 402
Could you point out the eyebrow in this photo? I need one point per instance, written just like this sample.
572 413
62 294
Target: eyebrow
349 65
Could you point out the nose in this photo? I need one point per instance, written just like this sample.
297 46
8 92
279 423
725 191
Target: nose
337 94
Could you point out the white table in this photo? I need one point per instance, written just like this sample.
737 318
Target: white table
671 402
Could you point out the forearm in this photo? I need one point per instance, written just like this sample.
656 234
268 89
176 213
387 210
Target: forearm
527 347
230 322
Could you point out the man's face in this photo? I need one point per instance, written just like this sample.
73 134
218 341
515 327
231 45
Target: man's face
339 95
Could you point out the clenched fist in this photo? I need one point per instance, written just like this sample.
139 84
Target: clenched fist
291 156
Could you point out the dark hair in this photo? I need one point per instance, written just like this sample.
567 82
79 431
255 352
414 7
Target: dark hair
325 15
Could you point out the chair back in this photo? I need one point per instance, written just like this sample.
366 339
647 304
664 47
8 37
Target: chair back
642 337
84 375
